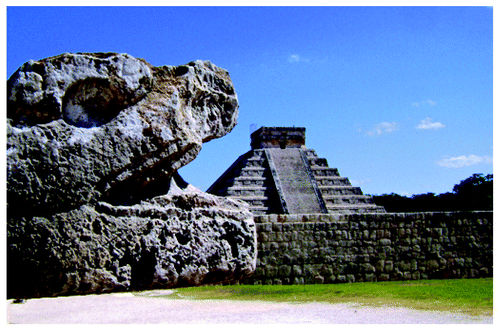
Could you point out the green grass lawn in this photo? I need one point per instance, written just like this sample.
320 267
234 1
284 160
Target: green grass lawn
472 296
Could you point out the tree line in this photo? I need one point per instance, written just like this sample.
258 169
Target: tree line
473 193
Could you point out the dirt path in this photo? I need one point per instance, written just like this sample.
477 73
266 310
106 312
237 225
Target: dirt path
130 309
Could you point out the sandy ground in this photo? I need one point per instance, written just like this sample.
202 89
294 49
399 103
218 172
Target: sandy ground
130 309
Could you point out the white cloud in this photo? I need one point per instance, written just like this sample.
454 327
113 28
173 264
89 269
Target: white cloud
357 127
427 124
384 127
464 161
425 102
360 182
295 58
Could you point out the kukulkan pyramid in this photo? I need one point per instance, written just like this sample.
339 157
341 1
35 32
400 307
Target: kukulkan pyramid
280 175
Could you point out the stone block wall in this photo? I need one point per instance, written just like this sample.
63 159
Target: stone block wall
328 248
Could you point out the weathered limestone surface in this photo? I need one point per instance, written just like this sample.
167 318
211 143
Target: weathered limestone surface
183 238
94 142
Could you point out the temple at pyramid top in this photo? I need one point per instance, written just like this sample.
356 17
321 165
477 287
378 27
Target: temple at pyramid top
280 175
278 137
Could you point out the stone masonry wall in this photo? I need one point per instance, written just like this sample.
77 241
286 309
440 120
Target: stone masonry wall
327 248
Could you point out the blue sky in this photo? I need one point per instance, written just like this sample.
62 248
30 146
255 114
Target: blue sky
399 99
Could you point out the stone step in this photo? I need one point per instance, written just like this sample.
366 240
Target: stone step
252 172
254 162
318 162
347 199
249 181
354 209
340 190
310 153
324 171
257 155
332 181
256 210
246 191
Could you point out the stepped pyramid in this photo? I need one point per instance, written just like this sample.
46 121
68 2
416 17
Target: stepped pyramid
279 175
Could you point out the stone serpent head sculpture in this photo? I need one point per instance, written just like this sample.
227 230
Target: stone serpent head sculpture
95 204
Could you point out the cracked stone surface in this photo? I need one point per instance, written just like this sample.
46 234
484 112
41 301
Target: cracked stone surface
95 204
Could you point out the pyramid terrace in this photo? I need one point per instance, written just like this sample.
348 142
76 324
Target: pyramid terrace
280 175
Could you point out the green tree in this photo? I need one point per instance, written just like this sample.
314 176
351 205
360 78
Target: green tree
473 193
